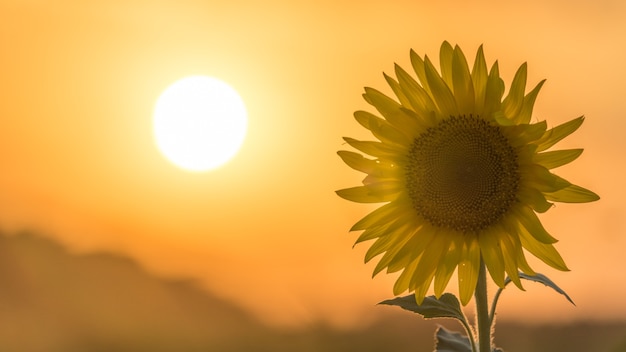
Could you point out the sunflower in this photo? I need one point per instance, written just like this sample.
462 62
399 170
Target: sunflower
463 174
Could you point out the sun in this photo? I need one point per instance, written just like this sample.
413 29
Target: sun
200 123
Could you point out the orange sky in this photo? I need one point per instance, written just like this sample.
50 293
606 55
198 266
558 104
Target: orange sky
78 81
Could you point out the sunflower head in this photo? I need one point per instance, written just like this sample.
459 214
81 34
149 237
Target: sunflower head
462 172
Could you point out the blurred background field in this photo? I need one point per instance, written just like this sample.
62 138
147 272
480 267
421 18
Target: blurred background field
52 300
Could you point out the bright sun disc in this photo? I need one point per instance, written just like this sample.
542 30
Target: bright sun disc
199 123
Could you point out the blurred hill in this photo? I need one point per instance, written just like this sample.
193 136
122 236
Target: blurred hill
55 301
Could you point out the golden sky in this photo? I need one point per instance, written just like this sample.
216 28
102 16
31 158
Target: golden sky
79 80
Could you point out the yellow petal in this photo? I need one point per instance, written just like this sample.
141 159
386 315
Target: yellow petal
468 270
382 215
446 268
381 129
510 250
391 110
546 252
522 135
363 194
358 162
462 82
378 247
492 255
512 228
479 78
440 92
392 252
534 198
420 241
395 87
556 158
445 62
418 97
402 283
554 135
419 68
572 194
377 149
494 91
531 223
529 102
512 104
370 234
429 262
541 179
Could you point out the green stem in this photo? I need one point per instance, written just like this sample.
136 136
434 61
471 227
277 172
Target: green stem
470 335
494 303
482 310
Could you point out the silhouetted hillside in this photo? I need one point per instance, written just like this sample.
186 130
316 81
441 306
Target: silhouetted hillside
54 301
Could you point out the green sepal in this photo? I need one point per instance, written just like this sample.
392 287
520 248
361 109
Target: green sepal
447 306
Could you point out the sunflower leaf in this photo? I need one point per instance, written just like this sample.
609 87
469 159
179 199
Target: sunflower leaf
447 306
450 341
544 280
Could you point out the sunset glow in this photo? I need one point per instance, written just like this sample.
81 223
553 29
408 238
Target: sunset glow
199 123
90 160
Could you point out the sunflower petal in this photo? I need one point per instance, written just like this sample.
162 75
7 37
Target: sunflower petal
540 178
556 158
468 270
370 234
376 149
546 252
512 228
531 223
418 97
395 87
462 82
572 194
554 135
494 91
392 253
512 104
418 244
402 283
492 255
446 268
535 199
420 71
479 78
382 215
390 109
440 91
381 245
529 102
358 162
364 194
420 291
381 129
429 261
510 252
445 62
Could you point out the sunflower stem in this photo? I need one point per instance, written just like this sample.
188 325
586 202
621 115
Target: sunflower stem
482 310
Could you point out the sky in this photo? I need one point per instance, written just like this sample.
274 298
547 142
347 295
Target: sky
79 81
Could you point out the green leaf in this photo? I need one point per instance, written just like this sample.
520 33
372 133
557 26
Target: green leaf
448 341
544 280
447 306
